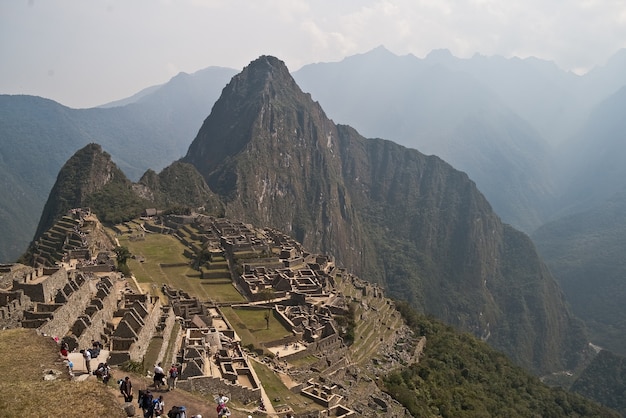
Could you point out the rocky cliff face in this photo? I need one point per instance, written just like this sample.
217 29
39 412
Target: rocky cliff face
391 214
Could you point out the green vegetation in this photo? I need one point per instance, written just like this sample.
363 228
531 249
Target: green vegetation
460 376
171 342
585 252
168 265
252 327
604 381
116 202
123 254
133 367
279 393
150 359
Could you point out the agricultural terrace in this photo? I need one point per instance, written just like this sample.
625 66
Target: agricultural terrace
159 259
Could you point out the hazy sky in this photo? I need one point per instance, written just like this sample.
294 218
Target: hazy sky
84 53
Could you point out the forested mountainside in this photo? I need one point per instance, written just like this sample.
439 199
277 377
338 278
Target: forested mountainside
585 252
604 381
459 376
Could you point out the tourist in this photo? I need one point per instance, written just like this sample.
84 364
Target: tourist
64 349
103 372
126 388
159 374
87 357
158 406
221 404
172 377
224 412
146 403
95 348
70 366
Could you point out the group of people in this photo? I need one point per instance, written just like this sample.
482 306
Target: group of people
150 405
159 377
153 406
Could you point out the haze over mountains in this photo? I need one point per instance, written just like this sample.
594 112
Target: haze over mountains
508 123
513 125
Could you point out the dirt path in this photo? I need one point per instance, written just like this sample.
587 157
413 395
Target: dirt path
194 404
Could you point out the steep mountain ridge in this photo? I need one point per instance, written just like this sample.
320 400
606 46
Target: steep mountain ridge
87 172
393 215
438 106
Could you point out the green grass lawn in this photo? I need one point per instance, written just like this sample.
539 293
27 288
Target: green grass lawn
150 359
279 393
158 249
252 328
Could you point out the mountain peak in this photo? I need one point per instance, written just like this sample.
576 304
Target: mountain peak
250 107
267 64
440 55
262 72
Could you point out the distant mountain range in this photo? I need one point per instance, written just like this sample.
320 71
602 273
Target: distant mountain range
39 135
506 122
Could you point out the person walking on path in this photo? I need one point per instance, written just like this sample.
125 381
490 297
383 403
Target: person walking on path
146 403
172 377
126 388
158 406
221 404
158 376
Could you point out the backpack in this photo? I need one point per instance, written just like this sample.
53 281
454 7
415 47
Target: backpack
155 404
174 373
145 399
175 411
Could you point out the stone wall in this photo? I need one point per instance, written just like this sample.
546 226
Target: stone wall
166 326
41 288
100 312
134 346
66 313
12 307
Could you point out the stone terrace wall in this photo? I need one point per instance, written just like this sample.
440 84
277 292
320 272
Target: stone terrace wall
12 307
135 347
39 288
166 326
99 313
64 315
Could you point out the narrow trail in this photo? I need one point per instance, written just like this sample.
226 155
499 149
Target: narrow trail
193 403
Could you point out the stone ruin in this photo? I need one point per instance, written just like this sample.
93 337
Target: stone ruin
210 355
81 298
